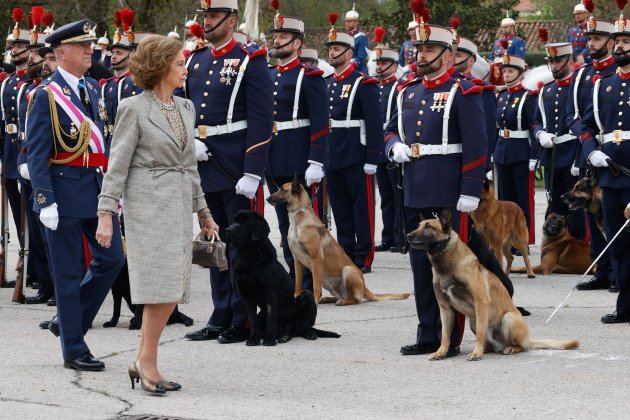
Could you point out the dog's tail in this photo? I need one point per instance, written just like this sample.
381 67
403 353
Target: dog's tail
554 344
325 334
368 295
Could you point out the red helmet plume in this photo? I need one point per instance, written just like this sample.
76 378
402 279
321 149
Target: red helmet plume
275 4
379 34
117 18
197 30
17 15
621 4
454 22
589 5
36 14
128 17
47 19
543 35
332 18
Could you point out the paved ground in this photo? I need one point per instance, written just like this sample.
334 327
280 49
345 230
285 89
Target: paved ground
360 375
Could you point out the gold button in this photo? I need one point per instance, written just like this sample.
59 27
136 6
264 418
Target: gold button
275 93
275 83
201 117
332 91
556 118
214 62
13 98
557 95
417 134
275 112
279 75
275 102
331 107
331 99
98 170
623 84
133 93
556 110
275 134
61 173
334 84
620 102
423 102
560 88
203 105
620 113
556 102
419 123
207 82
620 93
12 108
421 112
619 123
211 72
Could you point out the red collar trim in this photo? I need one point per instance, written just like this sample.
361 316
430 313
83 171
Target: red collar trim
20 73
117 78
37 81
290 66
347 72
353 32
389 80
624 76
515 88
600 65
224 49
565 82
451 71
510 36
438 81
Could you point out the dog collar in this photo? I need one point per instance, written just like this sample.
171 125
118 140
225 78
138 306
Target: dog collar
438 247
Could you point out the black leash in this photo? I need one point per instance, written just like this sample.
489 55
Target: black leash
403 246
551 173
617 169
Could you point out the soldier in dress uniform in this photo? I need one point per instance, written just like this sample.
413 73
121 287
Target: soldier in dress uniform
600 46
9 130
516 151
38 266
515 45
106 56
605 134
359 56
66 159
232 91
576 34
386 174
407 54
556 130
448 165
354 148
300 134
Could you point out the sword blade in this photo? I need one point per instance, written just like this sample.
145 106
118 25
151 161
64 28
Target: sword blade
588 269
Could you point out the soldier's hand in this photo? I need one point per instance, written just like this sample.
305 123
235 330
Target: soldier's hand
545 139
314 173
467 203
575 171
49 216
532 165
105 230
201 150
369 169
490 176
400 153
23 170
247 186
626 212
598 159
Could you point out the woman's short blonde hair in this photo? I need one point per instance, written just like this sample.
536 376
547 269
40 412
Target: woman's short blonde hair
152 60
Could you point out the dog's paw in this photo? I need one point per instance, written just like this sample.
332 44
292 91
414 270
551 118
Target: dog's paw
109 324
310 335
253 341
270 341
474 356
531 276
188 322
512 350
437 356
284 339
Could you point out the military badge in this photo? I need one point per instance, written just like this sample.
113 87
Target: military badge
588 77
332 36
411 95
591 24
229 70
86 28
16 32
345 91
205 4
506 59
33 36
278 21
102 114
620 25
66 90
552 51
609 88
424 32
117 37
196 66
379 53
131 37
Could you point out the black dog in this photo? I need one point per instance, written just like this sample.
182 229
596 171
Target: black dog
120 291
264 283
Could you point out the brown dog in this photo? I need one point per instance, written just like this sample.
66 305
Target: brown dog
462 284
586 194
313 247
502 226
561 253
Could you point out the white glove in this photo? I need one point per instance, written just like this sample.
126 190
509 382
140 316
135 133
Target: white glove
314 173
400 153
532 165
369 169
598 159
575 171
490 175
467 203
546 139
247 186
23 170
49 216
201 150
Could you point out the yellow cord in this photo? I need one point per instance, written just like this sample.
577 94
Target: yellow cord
84 135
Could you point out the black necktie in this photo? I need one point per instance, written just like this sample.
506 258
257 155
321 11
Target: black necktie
84 97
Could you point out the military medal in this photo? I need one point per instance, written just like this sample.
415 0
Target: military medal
229 70
73 129
66 90
345 91
101 110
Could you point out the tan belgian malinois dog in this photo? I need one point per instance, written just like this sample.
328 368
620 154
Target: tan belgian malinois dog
313 247
462 284
502 226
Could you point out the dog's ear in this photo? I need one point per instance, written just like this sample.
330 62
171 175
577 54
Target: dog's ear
548 212
486 184
422 219
445 220
262 229
295 185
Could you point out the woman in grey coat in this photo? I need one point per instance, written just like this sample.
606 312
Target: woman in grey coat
153 168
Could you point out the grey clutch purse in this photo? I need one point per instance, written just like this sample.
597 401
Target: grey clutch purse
209 253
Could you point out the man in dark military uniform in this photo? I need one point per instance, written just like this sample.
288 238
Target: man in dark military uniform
440 126
605 134
354 148
66 159
515 45
9 131
387 174
359 56
576 34
298 144
38 261
600 46
232 92
556 130
407 55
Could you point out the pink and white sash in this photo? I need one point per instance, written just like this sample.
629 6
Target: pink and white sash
97 144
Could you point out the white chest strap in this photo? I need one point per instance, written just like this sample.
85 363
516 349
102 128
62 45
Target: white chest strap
103 91
19 99
237 85
575 94
541 107
353 93
298 89
399 102
519 115
598 121
390 100
120 87
4 84
446 116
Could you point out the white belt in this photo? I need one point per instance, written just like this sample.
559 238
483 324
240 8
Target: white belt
418 150
350 124
513 134
12 128
204 131
616 137
563 138
290 125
